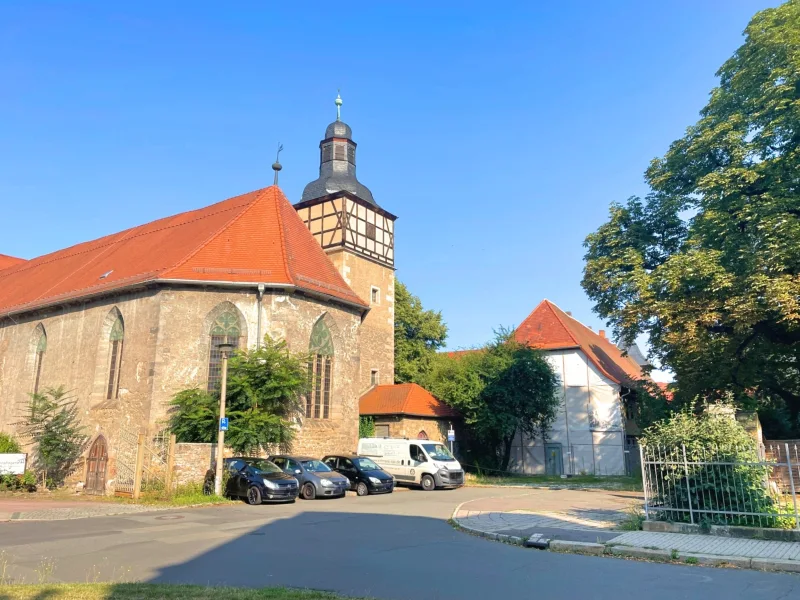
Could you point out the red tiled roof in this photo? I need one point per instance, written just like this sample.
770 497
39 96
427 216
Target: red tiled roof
550 328
403 399
254 238
9 261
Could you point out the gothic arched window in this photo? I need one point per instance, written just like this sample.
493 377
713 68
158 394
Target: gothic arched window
320 372
226 329
40 339
115 339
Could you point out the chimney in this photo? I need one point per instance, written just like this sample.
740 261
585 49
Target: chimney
602 333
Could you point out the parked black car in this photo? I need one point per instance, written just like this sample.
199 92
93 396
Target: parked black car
315 478
256 480
365 476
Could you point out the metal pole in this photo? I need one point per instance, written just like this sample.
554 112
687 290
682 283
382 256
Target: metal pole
688 488
221 433
644 481
791 483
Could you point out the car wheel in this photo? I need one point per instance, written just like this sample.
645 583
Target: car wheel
253 495
309 491
428 483
362 489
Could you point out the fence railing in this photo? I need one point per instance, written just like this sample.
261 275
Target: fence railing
722 485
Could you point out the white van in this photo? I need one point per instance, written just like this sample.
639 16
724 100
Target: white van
414 462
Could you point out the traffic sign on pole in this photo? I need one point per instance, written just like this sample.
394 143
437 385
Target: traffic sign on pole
223 424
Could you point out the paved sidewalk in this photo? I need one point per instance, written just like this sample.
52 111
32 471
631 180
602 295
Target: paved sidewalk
58 510
589 524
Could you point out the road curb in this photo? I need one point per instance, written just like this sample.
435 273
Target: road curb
577 547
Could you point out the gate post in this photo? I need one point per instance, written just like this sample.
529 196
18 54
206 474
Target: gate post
137 474
170 464
688 487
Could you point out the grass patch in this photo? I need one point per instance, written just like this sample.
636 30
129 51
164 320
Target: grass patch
634 517
185 494
609 482
152 591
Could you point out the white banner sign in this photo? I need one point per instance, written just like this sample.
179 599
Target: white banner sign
12 464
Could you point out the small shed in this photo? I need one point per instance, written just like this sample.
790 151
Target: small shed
407 410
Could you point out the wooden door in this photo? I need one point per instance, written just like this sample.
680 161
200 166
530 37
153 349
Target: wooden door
96 468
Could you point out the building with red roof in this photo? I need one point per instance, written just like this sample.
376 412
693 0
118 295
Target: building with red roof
589 434
129 319
407 410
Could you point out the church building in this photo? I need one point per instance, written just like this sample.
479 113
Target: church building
125 321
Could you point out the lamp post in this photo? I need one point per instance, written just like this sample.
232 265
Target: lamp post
224 350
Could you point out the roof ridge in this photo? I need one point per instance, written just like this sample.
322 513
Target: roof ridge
218 232
556 312
285 251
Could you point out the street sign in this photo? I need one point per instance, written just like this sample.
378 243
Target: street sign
223 424
451 435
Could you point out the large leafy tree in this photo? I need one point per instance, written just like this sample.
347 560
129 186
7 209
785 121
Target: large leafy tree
708 264
265 391
418 335
503 389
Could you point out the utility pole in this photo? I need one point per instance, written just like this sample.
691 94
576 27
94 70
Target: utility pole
223 422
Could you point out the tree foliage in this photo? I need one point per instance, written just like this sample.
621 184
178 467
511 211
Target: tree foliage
366 427
418 335
265 392
9 444
52 424
502 390
708 264
737 485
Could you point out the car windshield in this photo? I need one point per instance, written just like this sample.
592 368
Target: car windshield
316 466
262 467
365 464
438 452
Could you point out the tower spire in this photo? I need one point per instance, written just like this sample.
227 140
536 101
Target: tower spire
276 166
338 102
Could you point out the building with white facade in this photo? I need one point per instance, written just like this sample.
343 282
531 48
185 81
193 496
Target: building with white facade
588 435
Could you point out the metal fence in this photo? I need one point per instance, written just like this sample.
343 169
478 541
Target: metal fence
749 486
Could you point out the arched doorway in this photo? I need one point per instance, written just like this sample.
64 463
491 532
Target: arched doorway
96 467
422 435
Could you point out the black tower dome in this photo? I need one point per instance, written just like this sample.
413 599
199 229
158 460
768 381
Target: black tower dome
337 164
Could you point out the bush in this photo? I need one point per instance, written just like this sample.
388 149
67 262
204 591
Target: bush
366 427
740 486
9 444
14 483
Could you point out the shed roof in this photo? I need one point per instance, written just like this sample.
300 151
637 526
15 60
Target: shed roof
403 399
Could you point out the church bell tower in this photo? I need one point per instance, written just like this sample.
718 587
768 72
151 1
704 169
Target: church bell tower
358 236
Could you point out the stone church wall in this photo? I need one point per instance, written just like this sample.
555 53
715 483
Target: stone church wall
166 349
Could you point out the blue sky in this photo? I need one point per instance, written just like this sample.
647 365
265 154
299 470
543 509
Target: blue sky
498 133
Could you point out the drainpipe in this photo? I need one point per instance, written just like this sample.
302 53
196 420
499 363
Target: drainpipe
261 288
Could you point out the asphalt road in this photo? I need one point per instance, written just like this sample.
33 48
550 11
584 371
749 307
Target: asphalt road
398 546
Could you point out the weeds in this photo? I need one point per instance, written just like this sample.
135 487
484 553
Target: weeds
45 570
633 520
674 554
690 560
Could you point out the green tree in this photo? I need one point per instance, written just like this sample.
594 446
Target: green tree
418 335
502 390
265 392
52 424
708 264
9 444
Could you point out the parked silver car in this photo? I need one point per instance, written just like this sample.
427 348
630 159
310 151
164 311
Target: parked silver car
315 477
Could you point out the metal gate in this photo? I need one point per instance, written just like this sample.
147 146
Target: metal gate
145 462
96 465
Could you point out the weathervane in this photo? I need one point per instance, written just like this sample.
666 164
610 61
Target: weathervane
338 106
276 166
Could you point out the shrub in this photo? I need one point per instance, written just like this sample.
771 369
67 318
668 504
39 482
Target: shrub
25 482
9 444
737 486
52 424
366 427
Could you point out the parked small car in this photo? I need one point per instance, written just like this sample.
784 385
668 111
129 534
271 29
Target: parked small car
365 476
256 480
315 477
